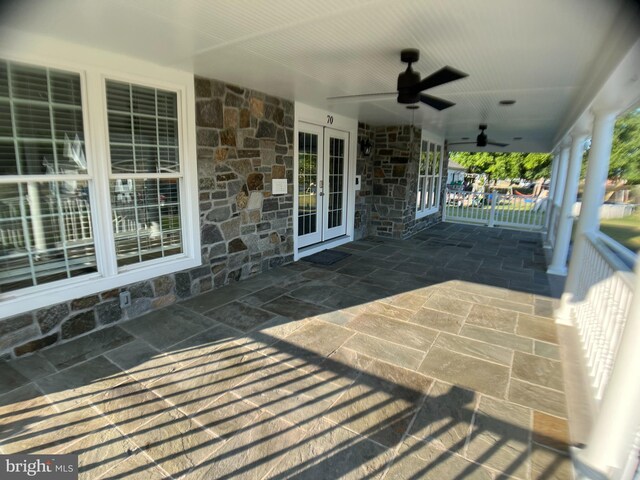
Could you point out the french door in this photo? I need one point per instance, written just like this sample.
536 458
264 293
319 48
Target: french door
322 183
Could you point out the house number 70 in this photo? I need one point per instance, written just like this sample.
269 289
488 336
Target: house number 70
330 119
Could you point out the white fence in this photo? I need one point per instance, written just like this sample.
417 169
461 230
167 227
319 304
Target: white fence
495 209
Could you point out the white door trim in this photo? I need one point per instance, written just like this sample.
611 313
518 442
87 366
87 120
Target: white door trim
325 118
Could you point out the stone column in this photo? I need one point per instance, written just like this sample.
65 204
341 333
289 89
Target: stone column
565 225
613 433
593 196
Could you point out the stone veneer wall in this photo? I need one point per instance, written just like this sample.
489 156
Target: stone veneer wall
395 181
413 225
394 155
244 139
364 168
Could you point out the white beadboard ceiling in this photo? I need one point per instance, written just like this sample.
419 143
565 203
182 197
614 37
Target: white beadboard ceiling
544 53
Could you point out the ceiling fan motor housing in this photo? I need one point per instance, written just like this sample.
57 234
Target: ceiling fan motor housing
408 79
481 139
406 82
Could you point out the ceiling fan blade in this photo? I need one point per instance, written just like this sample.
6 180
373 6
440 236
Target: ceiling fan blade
364 96
444 75
497 144
461 143
435 102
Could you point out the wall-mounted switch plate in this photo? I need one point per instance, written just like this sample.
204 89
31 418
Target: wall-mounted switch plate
358 182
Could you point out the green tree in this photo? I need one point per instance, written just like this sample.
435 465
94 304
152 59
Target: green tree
625 151
506 165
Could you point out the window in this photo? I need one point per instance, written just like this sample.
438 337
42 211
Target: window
69 214
145 172
46 232
429 178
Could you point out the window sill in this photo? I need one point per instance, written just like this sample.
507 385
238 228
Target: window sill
15 303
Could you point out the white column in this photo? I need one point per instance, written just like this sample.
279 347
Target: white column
552 187
565 224
613 433
558 193
592 197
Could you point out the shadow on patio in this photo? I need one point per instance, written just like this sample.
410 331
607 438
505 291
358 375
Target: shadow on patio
384 364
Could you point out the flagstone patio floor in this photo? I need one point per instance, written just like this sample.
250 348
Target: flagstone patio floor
434 357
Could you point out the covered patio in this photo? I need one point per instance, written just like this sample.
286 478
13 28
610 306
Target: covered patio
168 170
434 357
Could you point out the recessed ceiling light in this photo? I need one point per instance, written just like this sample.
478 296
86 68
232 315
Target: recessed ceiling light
413 107
507 102
517 138
464 138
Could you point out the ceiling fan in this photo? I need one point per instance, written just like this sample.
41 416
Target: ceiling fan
481 139
410 86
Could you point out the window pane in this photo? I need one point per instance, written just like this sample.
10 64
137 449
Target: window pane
32 121
118 96
8 164
143 100
46 233
6 130
146 219
65 88
29 83
142 123
40 121
4 80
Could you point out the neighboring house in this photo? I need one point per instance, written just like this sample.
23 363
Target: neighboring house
455 173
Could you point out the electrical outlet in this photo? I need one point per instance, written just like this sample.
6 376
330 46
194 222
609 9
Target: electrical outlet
125 300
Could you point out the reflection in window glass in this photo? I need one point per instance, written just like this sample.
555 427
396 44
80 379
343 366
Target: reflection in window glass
46 231
143 139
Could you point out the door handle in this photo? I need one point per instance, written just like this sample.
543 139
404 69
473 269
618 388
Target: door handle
322 188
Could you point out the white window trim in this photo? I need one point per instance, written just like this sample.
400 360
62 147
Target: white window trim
439 144
94 67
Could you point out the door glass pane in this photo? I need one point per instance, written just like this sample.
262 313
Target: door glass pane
307 178
336 181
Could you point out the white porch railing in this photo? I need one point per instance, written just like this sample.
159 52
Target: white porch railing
495 209
605 291
602 308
